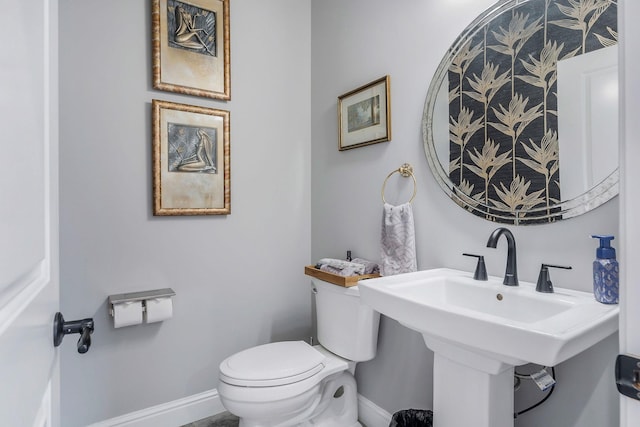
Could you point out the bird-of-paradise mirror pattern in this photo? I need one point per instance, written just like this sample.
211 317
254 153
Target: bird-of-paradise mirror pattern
503 119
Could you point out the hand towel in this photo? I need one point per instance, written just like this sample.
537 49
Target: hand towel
370 267
341 267
398 243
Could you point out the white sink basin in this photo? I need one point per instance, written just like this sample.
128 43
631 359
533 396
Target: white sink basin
513 325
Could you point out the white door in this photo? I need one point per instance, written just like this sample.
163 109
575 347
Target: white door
28 212
630 195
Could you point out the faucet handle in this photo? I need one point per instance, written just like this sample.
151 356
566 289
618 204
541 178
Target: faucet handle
544 280
481 269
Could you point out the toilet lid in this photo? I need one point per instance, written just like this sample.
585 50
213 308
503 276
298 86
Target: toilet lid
272 364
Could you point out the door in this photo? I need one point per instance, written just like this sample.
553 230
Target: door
29 291
630 192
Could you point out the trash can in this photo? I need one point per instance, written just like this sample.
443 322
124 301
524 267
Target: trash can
412 418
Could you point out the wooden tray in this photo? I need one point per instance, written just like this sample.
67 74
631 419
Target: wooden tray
347 282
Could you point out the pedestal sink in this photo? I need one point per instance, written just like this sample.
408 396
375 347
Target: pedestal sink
480 330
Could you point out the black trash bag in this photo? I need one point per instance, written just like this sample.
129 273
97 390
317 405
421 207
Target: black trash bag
412 418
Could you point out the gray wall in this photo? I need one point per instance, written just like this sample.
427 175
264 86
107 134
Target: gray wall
359 41
239 278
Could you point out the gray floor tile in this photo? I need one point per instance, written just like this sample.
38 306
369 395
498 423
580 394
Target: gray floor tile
224 419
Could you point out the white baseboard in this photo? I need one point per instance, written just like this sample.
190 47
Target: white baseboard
206 404
371 415
171 414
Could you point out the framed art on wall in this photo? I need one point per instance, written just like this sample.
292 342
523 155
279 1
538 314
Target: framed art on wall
364 115
191 160
191 53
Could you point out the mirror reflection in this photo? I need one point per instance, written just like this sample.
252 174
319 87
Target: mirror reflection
520 122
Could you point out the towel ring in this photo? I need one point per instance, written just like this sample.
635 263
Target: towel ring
406 170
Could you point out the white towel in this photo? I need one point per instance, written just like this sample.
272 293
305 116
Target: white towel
398 242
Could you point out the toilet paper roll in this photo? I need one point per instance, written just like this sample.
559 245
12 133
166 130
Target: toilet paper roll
159 309
127 314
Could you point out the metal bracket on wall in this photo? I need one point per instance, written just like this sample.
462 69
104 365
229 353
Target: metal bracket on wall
138 296
628 376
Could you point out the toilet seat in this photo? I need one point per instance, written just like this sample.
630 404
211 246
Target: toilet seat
255 392
271 365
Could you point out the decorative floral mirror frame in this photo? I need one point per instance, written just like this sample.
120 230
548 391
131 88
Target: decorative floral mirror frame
502 78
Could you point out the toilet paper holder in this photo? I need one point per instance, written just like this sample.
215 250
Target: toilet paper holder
139 296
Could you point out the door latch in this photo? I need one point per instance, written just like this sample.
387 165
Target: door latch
83 327
628 376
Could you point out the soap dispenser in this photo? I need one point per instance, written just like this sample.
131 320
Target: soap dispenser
605 272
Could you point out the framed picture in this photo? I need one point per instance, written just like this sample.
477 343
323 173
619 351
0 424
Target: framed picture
191 47
191 160
364 115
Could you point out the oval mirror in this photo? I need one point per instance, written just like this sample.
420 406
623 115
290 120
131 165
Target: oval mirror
520 124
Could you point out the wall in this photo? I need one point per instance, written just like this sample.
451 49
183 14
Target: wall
357 42
238 278
227 271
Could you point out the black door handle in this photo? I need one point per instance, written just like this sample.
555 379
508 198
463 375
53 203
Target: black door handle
83 327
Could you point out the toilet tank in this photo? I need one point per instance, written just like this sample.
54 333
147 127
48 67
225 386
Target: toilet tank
346 327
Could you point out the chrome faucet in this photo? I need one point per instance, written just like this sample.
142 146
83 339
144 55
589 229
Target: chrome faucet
511 273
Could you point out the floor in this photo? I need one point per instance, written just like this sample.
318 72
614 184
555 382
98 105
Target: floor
224 419
221 420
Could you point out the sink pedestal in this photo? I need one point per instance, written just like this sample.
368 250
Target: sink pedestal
469 389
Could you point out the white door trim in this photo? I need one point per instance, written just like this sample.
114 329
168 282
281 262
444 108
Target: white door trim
629 69
15 299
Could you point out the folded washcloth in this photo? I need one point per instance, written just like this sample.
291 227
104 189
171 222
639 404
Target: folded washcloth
398 242
370 267
336 271
341 267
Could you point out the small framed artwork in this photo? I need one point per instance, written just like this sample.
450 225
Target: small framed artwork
191 53
191 160
364 115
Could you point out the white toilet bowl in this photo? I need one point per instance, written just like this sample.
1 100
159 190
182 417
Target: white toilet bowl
291 383
294 385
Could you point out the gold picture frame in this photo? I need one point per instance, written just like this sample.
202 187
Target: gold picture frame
191 49
191 160
364 115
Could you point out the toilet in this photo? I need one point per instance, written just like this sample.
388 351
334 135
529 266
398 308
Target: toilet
292 383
